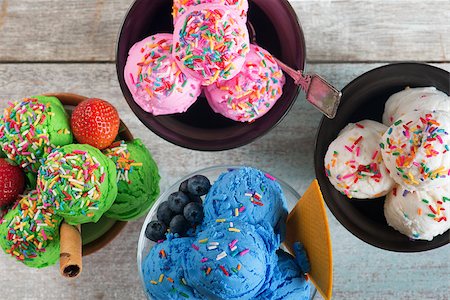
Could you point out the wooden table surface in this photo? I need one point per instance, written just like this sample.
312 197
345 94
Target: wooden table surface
69 46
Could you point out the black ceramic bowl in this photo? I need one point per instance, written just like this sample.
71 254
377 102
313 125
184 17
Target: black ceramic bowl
364 98
278 30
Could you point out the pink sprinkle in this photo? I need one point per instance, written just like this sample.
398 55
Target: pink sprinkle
270 177
195 247
243 252
79 152
375 154
349 149
357 152
241 209
233 243
204 259
44 235
347 176
440 139
102 178
132 79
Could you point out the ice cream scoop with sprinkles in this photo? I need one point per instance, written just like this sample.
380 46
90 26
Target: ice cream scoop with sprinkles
253 92
237 264
154 79
416 150
30 129
420 215
30 232
79 182
181 6
210 43
353 162
137 180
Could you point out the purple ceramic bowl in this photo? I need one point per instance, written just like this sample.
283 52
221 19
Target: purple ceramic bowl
278 31
364 98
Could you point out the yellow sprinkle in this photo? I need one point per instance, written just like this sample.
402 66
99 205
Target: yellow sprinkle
153 282
161 277
236 212
187 57
233 229
30 237
221 220
204 241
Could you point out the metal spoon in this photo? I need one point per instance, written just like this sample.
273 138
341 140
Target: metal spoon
319 92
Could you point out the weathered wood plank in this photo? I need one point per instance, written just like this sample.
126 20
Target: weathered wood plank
361 271
369 30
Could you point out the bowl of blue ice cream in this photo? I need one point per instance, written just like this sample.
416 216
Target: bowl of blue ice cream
231 247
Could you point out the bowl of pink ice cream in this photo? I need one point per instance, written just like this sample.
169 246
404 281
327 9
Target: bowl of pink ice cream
209 87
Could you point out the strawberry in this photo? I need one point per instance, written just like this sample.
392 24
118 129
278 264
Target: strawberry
12 182
95 122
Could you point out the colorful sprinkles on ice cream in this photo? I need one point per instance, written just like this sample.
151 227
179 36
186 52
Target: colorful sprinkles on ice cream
211 44
21 138
71 179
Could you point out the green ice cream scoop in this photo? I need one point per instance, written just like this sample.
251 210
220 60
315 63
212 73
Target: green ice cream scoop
137 180
79 181
30 232
30 129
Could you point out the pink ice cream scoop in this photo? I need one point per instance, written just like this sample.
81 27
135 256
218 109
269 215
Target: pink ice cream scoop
181 6
252 93
210 43
155 80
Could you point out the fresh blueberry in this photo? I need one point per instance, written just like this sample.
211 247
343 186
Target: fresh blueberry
198 185
183 187
179 225
177 202
156 231
195 199
164 213
193 212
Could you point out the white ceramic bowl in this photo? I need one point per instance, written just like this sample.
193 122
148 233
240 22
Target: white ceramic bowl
212 173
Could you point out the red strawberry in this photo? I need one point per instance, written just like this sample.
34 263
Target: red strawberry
12 182
95 122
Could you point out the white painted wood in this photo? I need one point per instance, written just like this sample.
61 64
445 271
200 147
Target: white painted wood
340 30
360 271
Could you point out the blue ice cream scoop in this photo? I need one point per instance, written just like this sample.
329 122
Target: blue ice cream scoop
163 273
288 281
231 260
247 195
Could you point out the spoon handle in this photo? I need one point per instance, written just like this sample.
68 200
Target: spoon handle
319 92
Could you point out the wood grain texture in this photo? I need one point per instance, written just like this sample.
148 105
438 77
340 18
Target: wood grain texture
360 271
340 30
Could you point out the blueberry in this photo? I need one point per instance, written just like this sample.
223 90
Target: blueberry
156 231
193 212
164 213
179 225
195 199
183 187
177 201
198 185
